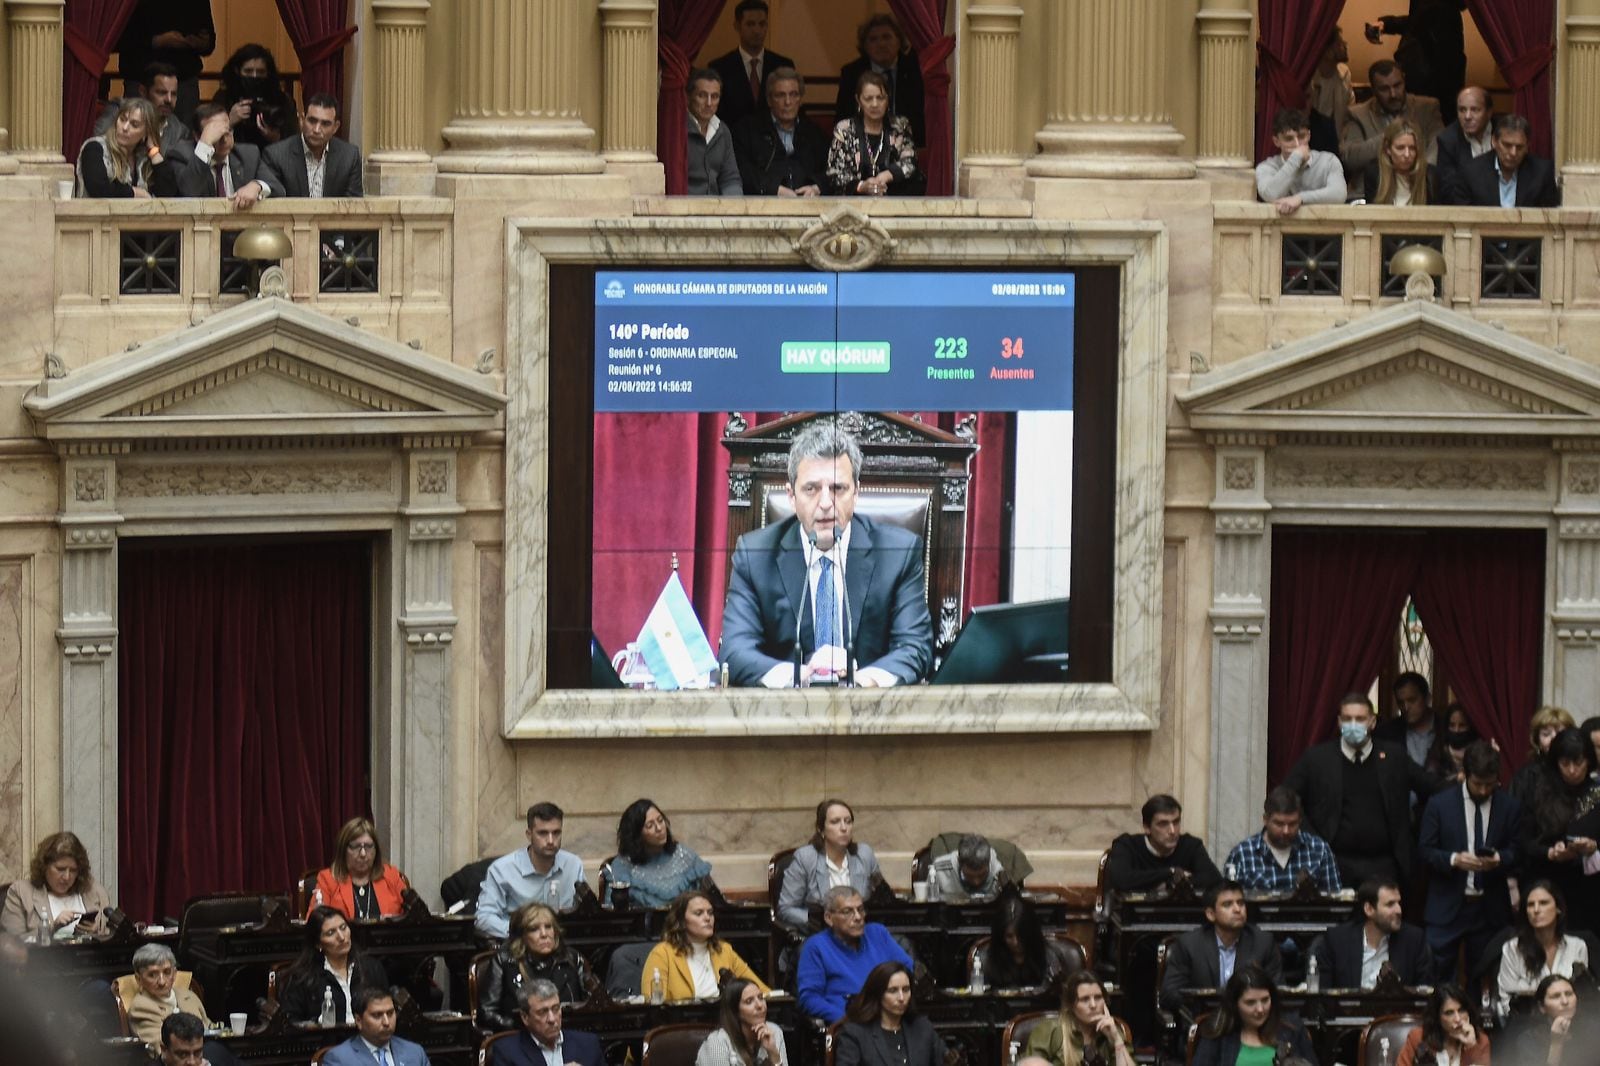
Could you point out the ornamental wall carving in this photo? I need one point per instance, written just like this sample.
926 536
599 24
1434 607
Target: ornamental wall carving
280 479
1395 472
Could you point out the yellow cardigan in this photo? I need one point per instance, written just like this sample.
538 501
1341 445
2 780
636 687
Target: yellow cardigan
675 975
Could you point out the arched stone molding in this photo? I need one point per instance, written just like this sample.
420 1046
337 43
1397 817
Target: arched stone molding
1414 415
269 418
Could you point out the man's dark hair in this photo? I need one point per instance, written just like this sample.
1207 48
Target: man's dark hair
1481 760
203 112
1289 120
1367 894
1411 677
156 69
182 1025
324 100
363 997
698 75
1161 803
749 5
1382 69
1281 800
1215 892
545 812
1350 699
1511 121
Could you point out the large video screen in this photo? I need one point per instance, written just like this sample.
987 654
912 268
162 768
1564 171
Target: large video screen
735 540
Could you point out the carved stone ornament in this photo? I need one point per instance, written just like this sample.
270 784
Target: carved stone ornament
844 239
281 479
433 476
1389 472
967 428
274 282
1419 286
949 621
54 367
735 425
89 486
1583 477
738 489
1239 474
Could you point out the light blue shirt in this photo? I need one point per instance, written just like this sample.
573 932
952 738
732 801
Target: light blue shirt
1227 955
512 881
552 1055
1508 189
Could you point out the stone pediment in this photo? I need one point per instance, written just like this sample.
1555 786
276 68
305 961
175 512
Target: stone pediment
1415 368
265 368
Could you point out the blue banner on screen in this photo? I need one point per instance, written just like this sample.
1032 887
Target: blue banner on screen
756 340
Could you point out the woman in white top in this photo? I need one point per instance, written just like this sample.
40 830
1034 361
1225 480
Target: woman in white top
1541 946
60 897
744 1036
831 860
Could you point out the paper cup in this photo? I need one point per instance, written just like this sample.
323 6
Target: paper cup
64 189
919 891
237 1023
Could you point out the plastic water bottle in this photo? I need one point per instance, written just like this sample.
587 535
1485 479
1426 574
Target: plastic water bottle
316 897
1313 979
328 1020
977 982
1232 871
658 991
1383 1051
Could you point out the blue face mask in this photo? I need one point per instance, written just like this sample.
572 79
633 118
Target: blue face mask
1354 733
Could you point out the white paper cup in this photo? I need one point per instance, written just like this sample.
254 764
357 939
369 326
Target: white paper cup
64 189
237 1023
919 891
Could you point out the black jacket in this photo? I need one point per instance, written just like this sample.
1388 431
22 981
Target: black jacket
870 1045
285 162
301 994
737 104
1338 954
1319 782
905 96
1452 155
1224 1051
1132 867
765 167
1192 961
1536 182
499 999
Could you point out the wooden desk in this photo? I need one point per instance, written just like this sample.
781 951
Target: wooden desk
449 1040
941 933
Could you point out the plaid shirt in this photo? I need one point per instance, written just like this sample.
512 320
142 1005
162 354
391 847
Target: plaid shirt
1258 870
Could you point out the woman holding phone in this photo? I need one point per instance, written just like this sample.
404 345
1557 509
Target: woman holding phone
60 897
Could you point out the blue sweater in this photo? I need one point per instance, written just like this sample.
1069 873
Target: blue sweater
830 973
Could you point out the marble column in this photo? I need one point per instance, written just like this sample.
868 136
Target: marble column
1227 84
1240 599
422 787
399 164
990 109
1578 139
87 636
1574 654
1107 114
37 54
628 124
518 70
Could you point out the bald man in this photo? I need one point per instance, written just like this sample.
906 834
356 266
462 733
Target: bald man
1463 141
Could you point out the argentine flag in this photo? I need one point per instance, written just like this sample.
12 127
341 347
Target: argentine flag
672 642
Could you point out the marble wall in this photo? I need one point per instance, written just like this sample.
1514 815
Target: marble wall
16 626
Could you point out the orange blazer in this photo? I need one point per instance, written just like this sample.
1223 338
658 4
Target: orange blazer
1412 1054
339 894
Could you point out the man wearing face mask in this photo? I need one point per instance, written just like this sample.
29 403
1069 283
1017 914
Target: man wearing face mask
1356 794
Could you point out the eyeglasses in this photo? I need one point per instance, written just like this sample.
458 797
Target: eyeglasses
361 847
851 912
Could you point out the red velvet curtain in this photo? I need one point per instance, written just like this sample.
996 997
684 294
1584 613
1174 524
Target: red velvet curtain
1293 36
90 29
682 29
242 714
1521 37
924 24
1481 600
1336 599
319 30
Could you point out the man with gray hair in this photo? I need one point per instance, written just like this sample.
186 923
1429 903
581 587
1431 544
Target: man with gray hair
826 595
155 968
542 1039
834 963
971 872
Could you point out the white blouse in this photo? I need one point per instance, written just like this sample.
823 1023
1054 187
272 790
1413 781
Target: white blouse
1514 976
705 978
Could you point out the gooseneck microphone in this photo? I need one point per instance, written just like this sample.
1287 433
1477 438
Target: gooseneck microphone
799 610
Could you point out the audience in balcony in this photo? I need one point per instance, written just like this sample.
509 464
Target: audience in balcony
1400 177
747 71
1542 729
1298 174
213 165
159 85
259 110
873 153
1509 176
1361 139
174 33
713 166
1329 96
1560 827
779 153
126 161
314 162
884 50
1462 141
1432 46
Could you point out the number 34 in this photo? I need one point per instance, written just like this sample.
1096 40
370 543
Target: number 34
1011 348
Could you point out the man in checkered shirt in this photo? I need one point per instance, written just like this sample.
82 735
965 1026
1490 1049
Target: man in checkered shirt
1275 859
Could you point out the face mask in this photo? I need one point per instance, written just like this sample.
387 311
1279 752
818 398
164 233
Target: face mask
1354 733
253 86
1461 738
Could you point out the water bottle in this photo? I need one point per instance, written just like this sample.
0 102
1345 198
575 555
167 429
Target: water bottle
316 897
658 991
1383 1051
977 981
328 1020
1313 979
1232 871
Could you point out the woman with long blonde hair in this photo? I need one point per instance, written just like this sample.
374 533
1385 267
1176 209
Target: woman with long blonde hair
125 160
1400 174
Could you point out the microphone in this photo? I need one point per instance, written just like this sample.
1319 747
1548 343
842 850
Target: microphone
799 612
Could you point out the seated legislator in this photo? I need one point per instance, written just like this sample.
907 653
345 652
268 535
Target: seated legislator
779 153
327 964
835 962
1400 177
1207 957
1248 1030
1018 955
873 154
882 1024
1450 1033
971 872
158 998
1509 176
358 883
126 161
743 1036
213 165
534 951
691 958
713 169
315 162
375 1042
833 858
1275 859
1298 174
1084 1031
1541 947
541 872
1162 855
1463 141
1351 955
817 565
543 1040
60 897
182 1039
656 868
1553 1035
883 50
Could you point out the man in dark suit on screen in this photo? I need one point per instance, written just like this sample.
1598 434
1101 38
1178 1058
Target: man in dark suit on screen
835 579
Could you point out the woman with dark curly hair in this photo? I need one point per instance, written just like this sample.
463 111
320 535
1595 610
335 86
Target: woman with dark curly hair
656 868
260 112
329 968
59 896
1450 1032
1247 1028
691 958
534 950
1559 846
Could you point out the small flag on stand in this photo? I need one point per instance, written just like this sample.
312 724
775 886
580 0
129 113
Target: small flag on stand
673 643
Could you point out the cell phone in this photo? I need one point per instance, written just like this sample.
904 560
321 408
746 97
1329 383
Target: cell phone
1571 839
88 916
1484 853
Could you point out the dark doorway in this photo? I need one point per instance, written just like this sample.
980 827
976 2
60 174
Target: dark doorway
243 695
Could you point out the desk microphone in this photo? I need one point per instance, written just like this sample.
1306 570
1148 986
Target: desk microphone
799 611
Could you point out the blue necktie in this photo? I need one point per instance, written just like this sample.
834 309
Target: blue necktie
827 605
